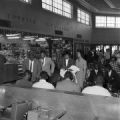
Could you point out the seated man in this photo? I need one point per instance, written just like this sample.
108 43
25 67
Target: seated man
26 81
43 82
112 79
98 88
67 84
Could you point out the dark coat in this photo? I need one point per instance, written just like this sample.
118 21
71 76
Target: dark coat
113 80
62 63
93 75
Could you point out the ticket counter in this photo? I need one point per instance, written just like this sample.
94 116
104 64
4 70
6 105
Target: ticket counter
77 106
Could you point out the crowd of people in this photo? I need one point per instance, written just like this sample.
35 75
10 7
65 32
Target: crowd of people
97 73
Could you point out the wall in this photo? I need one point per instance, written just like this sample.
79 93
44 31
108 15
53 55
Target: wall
33 18
105 35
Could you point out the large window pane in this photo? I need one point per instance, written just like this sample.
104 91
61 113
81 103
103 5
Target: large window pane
83 17
57 6
61 7
111 22
117 22
67 9
107 21
100 21
47 4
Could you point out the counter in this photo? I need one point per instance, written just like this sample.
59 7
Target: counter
8 73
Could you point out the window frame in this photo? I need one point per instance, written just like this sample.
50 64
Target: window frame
83 16
63 12
116 23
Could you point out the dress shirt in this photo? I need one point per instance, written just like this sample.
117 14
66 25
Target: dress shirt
110 72
96 71
43 61
43 84
31 65
66 62
96 90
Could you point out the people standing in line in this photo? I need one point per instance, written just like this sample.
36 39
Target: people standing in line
33 65
47 63
82 65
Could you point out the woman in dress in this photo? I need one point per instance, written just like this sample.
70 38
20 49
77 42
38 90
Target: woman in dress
82 65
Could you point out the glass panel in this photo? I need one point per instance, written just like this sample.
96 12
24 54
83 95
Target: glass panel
111 22
67 9
47 4
117 22
100 21
61 7
83 17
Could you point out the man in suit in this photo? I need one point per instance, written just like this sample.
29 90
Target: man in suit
92 56
95 72
66 62
112 79
47 63
32 65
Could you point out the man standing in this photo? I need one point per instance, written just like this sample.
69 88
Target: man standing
82 65
47 63
33 65
112 79
66 62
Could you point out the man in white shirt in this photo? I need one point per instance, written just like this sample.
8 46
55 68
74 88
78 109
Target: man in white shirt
43 82
98 88
33 65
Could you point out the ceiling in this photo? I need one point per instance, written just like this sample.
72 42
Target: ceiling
102 6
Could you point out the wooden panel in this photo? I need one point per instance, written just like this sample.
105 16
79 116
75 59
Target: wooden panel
8 73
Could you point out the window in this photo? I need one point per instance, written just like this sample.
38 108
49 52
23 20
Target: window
26 1
107 22
61 7
111 22
101 21
83 17
117 22
47 4
67 9
57 6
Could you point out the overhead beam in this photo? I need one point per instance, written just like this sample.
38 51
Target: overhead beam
110 4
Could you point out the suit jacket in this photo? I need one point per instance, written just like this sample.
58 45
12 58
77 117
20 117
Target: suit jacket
93 75
113 79
48 66
36 68
63 63
68 85
92 58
